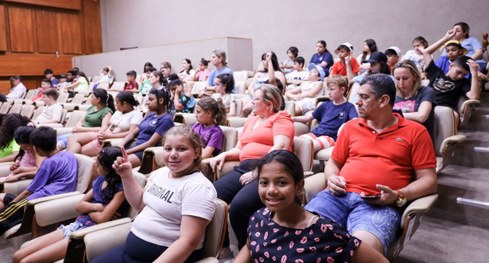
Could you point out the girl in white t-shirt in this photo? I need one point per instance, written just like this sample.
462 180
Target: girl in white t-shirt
124 121
178 202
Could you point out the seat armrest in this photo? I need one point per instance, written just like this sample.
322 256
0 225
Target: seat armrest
63 130
100 241
16 187
51 197
57 210
313 185
468 103
208 260
113 142
80 234
77 252
454 139
52 125
409 223
417 207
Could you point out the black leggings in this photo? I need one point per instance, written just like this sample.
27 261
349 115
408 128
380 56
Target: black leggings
243 200
137 250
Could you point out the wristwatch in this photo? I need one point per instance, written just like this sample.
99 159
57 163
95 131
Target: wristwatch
401 199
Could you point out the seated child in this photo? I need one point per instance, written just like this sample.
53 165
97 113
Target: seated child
45 85
224 88
453 49
63 83
26 162
417 56
347 65
450 86
99 205
106 77
210 114
284 230
298 74
52 111
288 65
57 174
393 55
305 95
146 84
330 114
202 73
152 127
49 74
8 147
183 101
131 84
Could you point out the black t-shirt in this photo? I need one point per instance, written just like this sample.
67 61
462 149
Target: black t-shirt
447 91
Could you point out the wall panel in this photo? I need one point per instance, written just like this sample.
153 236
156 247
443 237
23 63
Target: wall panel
40 34
47 31
21 30
3 30
33 64
92 27
71 38
66 4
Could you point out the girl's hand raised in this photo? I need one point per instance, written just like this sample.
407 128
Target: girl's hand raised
122 165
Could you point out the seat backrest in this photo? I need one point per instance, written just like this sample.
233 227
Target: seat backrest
237 121
304 150
445 126
78 98
239 107
75 117
118 85
16 108
290 107
96 78
103 85
189 119
37 112
300 128
63 116
353 94
152 159
27 110
240 76
5 107
85 166
216 231
63 97
30 94
198 87
230 138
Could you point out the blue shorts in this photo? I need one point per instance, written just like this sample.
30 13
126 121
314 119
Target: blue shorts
63 140
352 212
69 229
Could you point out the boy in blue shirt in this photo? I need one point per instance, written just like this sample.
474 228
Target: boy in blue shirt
330 114
57 174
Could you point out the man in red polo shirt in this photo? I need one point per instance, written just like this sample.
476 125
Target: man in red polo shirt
380 162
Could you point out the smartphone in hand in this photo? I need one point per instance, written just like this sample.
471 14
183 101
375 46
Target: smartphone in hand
370 197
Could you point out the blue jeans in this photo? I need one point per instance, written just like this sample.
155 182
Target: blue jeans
352 212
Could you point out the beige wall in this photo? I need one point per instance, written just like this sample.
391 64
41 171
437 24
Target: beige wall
239 51
278 24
